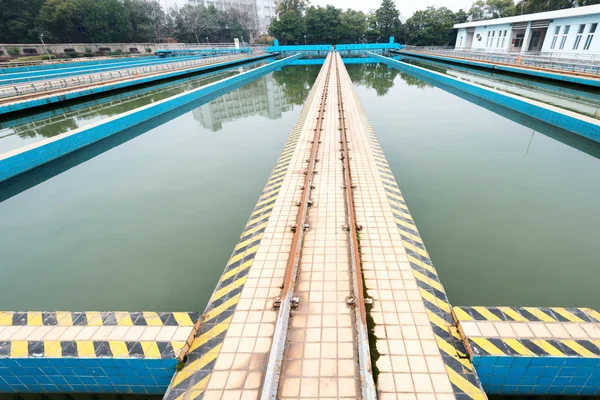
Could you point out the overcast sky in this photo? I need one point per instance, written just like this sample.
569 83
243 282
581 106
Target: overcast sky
406 7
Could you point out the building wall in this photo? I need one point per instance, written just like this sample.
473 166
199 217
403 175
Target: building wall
489 37
571 37
461 38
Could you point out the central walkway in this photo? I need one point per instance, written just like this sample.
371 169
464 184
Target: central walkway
253 344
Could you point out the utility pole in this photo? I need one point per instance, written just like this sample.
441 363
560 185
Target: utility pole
41 35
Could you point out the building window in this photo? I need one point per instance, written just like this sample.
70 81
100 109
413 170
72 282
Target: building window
503 38
578 37
519 40
498 40
555 38
460 44
564 37
590 36
487 42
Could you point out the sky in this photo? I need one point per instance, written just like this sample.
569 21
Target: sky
406 7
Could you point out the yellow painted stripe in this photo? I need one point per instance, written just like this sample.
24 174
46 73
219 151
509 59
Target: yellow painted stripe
118 349
415 249
6 318
260 218
255 229
592 313
52 349
518 347
223 291
64 318
405 224
152 318
467 387
266 200
567 314
183 319
486 314
578 348
215 331
19 349
547 347
437 320
487 346
218 310
461 314
200 385
195 366
93 318
241 255
247 242
123 318
427 280
234 271
512 314
435 301
34 319
421 264
150 349
540 314
177 345
86 349
411 235
451 351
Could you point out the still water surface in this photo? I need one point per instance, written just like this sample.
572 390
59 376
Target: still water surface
149 224
507 206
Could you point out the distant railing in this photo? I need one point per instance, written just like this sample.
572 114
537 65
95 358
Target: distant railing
536 60
63 83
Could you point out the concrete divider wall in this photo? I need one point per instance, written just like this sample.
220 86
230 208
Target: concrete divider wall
19 105
570 121
16 162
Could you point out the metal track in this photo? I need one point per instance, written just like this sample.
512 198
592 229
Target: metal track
271 383
369 391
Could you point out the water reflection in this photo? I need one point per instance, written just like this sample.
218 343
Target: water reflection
380 77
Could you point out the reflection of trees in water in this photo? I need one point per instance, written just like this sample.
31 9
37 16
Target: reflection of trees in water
380 77
412 81
296 81
47 130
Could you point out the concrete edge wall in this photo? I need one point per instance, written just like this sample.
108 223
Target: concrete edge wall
572 122
26 158
46 100
524 70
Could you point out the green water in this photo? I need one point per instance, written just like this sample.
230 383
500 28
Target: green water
150 223
508 210
26 130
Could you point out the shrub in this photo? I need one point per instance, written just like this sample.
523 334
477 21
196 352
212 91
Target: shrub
148 50
117 52
13 51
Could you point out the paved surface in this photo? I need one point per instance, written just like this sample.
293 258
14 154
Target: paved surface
421 354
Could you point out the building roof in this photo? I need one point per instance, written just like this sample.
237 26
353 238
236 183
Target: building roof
569 12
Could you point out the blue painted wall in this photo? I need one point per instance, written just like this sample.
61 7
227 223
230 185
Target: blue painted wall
86 375
581 126
539 375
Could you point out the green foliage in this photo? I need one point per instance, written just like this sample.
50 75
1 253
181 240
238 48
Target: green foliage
354 26
13 51
58 20
374 76
388 19
17 20
117 52
489 9
323 24
148 50
194 23
37 58
289 26
431 27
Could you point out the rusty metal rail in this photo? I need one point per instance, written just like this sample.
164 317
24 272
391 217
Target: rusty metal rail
369 391
286 300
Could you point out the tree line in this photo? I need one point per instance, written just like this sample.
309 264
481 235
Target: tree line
298 22
112 21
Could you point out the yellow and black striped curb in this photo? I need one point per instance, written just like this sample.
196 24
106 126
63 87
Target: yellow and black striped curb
215 321
526 314
94 318
480 346
459 368
17 349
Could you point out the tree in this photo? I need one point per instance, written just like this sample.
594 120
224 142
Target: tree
489 9
58 20
430 27
289 26
354 26
193 23
17 21
104 21
388 19
324 25
153 17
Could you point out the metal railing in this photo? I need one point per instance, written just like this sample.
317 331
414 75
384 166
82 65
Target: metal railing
70 82
539 60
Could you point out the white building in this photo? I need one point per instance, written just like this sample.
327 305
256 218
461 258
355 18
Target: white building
564 33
